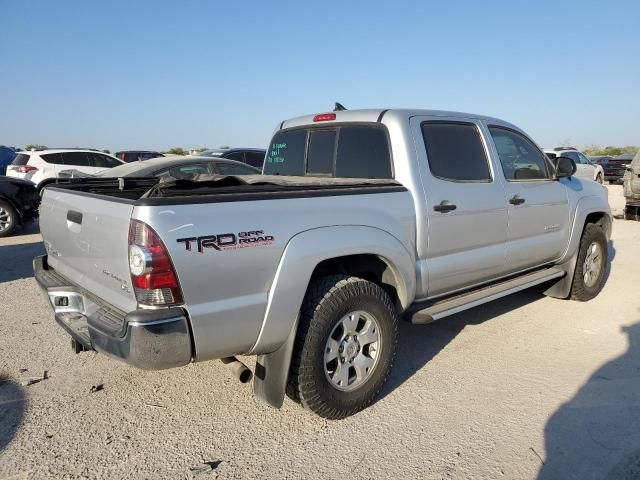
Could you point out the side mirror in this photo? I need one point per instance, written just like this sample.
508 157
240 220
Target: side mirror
565 167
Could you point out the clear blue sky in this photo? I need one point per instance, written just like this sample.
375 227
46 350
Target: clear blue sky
156 74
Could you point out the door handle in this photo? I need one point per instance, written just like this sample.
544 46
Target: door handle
444 206
516 200
74 217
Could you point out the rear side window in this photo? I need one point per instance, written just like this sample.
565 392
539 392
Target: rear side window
78 159
322 144
286 153
455 151
55 158
21 159
345 151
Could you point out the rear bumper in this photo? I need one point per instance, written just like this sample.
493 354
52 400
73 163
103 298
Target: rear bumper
148 339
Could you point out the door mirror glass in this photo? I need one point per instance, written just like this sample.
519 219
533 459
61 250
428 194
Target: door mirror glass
565 167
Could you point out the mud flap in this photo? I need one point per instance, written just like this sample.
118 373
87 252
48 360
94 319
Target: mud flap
272 371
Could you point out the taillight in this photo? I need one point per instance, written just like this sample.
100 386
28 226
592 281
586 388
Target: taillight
324 117
23 168
152 274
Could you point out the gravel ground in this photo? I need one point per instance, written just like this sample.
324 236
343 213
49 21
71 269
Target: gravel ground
524 387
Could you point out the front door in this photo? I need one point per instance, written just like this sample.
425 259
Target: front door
466 209
538 206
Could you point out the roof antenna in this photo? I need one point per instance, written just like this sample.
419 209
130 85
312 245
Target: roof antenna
339 107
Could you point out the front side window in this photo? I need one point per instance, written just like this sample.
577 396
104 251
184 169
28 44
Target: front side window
78 159
102 161
584 160
519 157
455 151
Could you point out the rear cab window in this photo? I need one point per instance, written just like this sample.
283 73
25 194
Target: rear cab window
341 151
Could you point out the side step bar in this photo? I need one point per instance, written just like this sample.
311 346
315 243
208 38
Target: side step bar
448 306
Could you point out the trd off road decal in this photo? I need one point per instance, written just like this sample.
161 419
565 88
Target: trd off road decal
227 241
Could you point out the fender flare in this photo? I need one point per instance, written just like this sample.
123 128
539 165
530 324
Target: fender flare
584 207
299 259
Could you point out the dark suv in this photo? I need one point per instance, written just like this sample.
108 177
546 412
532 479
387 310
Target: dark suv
615 167
250 156
137 155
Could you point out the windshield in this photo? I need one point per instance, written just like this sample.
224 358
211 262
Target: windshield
123 170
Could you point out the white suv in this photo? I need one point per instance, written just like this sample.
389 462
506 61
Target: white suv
585 168
44 166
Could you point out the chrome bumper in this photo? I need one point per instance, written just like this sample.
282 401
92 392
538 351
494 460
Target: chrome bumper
148 339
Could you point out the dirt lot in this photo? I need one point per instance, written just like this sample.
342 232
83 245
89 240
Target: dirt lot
524 387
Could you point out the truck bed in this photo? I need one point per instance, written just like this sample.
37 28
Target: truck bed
214 188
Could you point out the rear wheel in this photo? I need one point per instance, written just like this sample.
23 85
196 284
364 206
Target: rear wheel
345 346
8 219
593 256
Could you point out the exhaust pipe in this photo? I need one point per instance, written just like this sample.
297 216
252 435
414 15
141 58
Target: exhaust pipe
239 369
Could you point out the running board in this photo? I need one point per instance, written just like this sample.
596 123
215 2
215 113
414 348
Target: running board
448 306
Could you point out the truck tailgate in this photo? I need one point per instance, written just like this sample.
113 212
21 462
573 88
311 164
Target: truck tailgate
86 238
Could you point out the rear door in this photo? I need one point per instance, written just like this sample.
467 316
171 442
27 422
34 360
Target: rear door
466 208
86 238
538 206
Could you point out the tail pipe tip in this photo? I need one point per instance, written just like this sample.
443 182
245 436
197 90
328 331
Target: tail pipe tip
238 369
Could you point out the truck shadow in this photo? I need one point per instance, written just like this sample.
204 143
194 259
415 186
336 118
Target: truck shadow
421 343
596 435
16 260
12 409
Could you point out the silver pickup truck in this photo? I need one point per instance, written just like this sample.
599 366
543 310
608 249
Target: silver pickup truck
361 218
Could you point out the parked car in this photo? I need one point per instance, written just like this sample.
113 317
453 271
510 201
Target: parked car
599 159
176 167
250 156
42 167
585 167
362 217
7 154
137 155
615 167
632 189
18 204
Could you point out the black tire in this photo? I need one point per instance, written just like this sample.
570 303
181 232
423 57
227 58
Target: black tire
326 302
579 289
10 217
599 179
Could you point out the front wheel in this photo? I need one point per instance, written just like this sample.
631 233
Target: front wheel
8 219
599 179
591 266
345 346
